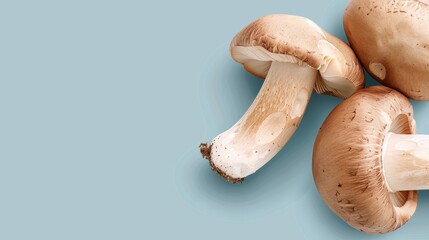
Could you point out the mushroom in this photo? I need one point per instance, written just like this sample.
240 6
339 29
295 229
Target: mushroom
368 162
294 56
391 39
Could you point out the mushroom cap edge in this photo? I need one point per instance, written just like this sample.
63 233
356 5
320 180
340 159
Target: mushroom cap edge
347 167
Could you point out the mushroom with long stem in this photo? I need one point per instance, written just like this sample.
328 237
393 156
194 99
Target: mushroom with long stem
368 162
294 56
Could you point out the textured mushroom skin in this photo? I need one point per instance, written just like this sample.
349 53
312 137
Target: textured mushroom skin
301 38
391 39
347 166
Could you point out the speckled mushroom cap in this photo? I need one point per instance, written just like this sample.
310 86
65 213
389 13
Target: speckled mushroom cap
347 166
297 39
391 39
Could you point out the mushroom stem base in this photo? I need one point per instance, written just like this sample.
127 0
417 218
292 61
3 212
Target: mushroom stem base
266 126
205 149
406 162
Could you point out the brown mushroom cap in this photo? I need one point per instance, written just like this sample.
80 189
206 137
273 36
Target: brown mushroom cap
391 39
347 166
301 40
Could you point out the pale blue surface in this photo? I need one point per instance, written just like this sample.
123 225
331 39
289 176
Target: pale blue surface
103 105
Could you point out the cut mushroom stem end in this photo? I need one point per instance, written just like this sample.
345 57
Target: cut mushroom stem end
406 162
205 149
267 125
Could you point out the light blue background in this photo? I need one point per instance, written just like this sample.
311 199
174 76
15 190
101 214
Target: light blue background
103 105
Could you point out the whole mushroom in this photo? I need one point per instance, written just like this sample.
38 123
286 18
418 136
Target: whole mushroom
391 39
294 56
368 162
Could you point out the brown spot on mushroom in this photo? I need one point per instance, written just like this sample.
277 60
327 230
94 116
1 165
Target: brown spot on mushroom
365 188
353 173
354 115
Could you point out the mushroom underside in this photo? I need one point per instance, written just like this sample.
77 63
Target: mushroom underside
331 80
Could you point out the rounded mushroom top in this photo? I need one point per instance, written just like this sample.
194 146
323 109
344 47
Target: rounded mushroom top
391 39
347 167
288 38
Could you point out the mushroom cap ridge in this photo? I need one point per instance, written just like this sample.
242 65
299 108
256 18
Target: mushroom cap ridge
302 39
347 167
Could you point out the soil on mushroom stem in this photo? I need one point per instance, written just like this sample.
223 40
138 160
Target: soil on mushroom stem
205 150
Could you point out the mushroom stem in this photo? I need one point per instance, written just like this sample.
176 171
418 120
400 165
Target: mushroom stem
406 162
267 125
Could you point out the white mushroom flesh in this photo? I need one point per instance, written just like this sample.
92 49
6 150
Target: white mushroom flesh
270 121
406 162
331 70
